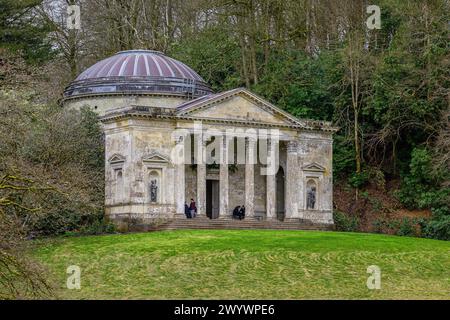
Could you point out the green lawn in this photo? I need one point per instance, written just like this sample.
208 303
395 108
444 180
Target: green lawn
249 264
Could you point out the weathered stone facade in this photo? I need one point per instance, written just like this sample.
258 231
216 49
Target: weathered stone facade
163 149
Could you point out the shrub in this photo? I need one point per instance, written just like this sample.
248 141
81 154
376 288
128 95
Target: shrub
420 187
438 228
55 223
424 188
344 222
70 222
377 205
404 227
379 225
99 225
407 228
358 180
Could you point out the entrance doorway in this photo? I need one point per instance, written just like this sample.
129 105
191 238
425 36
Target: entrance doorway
280 194
212 199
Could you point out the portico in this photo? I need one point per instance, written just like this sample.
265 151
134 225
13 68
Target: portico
250 179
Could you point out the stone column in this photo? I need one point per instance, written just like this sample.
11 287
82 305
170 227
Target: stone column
223 182
180 177
271 185
250 177
201 180
291 204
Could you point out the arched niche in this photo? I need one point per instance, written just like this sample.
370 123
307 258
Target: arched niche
155 175
118 177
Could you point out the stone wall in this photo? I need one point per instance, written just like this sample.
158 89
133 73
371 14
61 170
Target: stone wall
236 188
102 104
140 150
315 155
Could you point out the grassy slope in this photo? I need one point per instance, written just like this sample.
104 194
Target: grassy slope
249 264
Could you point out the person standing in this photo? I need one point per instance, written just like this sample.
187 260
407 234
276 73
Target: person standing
193 209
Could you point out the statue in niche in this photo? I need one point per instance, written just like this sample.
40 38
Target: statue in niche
154 191
311 198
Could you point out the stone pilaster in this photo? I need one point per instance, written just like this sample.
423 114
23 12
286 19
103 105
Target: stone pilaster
180 177
291 180
302 151
223 182
250 177
201 179
271 186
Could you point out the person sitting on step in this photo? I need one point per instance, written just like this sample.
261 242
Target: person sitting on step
236 212
187 211
242 213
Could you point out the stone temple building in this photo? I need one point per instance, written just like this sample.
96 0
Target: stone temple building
169 139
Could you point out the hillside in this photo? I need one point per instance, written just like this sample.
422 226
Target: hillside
250 264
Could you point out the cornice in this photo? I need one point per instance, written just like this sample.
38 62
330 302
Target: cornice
145 115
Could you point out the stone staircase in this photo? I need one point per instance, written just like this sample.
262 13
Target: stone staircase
206 223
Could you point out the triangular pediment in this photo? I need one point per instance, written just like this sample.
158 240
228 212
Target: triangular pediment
314 167
156 157
236 105
116 158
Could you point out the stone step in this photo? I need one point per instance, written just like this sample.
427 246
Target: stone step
247 226
233 227
240 227
205 223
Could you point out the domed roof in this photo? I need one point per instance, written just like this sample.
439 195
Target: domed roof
138 71
146 63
